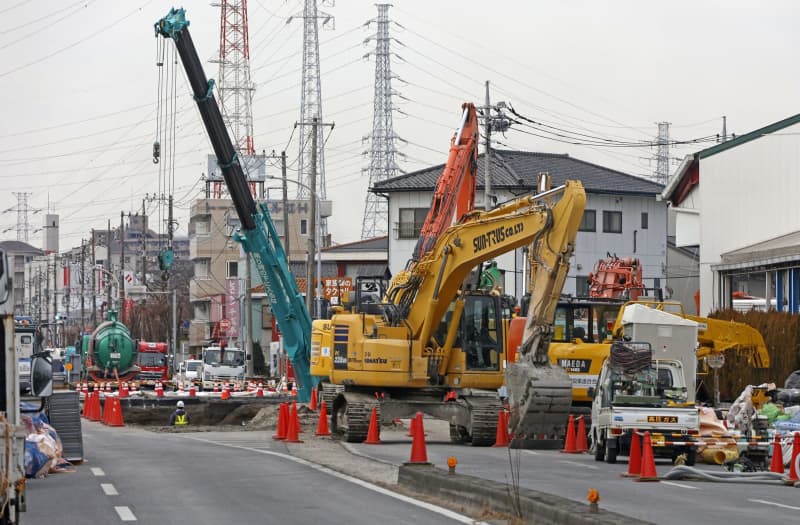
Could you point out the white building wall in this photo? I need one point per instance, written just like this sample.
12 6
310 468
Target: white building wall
651 243
748 194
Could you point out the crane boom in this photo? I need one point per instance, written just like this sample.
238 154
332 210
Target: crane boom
257 234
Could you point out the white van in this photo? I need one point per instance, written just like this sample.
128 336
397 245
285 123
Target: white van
192 370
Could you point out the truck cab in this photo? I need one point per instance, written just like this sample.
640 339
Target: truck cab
222 364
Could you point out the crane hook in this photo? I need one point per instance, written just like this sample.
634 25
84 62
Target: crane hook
156 152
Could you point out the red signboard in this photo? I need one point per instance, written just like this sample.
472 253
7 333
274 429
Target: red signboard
225 324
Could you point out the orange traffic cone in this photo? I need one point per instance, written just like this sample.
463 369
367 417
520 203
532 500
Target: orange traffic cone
580 438
95 411
123 390
294 390
569 445
322 425
793 462
294 426
373 434
296 416
113 415
777 456
192 390
419 454
87 406
501 438
634 457
313 404
226 394
411 423
260 391
648 472
283 413
159 390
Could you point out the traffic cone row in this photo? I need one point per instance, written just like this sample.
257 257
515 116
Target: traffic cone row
419 453
322 425
373 432
648 470
501 439
776 465
313 404
793 462
91 406
112 415
576 439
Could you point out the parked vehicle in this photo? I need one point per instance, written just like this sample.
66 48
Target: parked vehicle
12 433
648 384
153 363
222 364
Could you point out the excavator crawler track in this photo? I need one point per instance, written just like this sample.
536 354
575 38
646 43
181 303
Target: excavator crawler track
483 418
329 393
351 418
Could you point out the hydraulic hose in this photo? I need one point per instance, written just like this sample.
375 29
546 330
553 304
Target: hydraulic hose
762 478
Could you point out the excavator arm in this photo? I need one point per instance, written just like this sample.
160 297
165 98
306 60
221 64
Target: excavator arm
454 195
257 233
421 302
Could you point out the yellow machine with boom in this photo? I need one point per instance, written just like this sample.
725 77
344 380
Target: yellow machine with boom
431 347
583 336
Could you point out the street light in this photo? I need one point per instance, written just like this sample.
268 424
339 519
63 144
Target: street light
314 249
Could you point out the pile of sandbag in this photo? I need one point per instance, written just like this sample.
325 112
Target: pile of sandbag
43 448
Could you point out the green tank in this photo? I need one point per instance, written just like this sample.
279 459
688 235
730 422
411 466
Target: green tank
109 352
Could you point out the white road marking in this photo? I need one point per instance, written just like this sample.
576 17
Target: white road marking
781 505
681 485
367 485
584 465
97 471
532 452
125 514
109 489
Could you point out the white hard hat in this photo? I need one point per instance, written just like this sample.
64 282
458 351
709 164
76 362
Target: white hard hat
180 404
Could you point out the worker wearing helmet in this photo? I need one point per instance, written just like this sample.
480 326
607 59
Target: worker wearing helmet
179 417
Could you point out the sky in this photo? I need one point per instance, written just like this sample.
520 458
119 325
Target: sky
80 90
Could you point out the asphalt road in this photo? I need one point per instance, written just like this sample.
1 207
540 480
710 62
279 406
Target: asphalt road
147 477
571 475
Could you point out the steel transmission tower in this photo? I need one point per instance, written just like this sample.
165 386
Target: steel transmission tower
311 106
234 85
23 226
383 149
662 157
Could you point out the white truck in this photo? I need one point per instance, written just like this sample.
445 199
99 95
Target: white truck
12 433
648 385
222 365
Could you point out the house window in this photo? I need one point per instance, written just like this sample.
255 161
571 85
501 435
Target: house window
612 221
201 227
644 220
582 286
201 268
303 226
232 269
411 221
201 311
589 221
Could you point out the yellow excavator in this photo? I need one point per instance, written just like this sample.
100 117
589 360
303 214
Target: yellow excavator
584 329
430 346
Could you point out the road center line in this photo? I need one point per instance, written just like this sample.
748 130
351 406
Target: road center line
125 514
781 505
681 485
97 471
109 489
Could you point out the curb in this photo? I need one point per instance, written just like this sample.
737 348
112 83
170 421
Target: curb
477 494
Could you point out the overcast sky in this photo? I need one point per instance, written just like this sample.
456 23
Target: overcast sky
79 86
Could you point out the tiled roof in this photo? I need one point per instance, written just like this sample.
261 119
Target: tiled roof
517 170
376 244
20 247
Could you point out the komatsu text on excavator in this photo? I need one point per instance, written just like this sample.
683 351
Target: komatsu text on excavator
425 348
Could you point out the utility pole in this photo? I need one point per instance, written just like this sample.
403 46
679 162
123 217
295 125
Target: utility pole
487 176
248 317
312 234
39 292
83 280
724 128
55 286
94 285
122 261
286 230
107 265
662 156
144 244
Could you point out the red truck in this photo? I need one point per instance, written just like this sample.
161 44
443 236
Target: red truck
152 359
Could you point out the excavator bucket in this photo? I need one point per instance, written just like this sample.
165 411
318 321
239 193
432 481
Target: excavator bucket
540 398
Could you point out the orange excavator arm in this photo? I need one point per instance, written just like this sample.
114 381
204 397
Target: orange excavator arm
454 195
